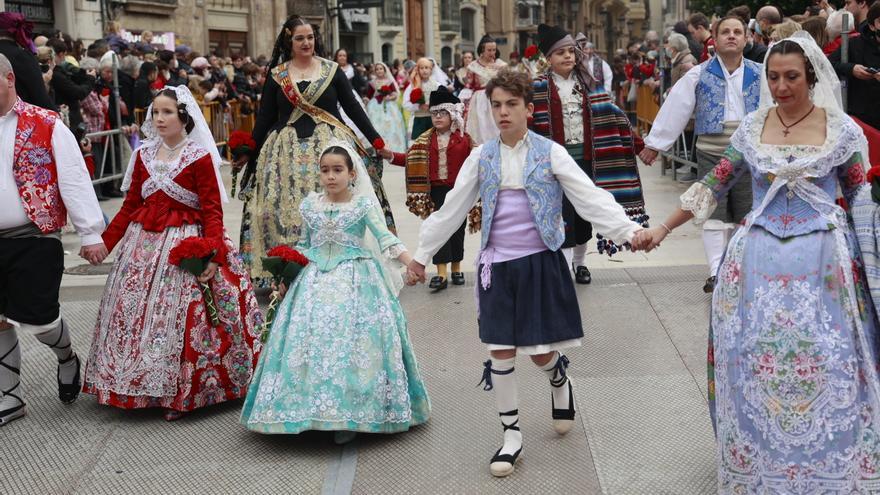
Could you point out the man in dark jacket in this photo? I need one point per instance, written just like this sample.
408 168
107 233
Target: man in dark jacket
69 83
696 48
128 68
863 70
14 32
754 51
143 94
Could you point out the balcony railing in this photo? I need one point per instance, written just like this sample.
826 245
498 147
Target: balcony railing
227 4
450 15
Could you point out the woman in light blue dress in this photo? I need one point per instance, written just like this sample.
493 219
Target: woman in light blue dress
338 357
384 111
793 364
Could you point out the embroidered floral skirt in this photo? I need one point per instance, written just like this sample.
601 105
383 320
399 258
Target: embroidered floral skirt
389 123
795 408
287 171
338 358
154 345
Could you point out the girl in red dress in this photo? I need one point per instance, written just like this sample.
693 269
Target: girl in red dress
154 344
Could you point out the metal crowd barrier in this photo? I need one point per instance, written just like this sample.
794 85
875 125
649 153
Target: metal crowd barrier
220 121
110 167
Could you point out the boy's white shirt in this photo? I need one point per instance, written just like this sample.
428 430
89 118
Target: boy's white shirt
592 203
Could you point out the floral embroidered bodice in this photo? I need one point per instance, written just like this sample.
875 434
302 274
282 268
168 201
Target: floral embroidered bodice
335 232
788 212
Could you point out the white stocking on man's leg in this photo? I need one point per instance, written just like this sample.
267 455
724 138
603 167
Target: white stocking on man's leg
11 396
57 336
716 235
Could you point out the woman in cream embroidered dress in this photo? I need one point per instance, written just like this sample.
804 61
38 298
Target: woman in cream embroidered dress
154 345
298 117
479 123
793 337
384 111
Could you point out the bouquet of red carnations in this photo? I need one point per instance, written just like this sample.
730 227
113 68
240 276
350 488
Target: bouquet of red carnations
193 255
384 91
285 264
417 96
240 144
531 52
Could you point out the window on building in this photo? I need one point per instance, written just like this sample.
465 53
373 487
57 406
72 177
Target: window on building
387 52
467 25
523 12
445 57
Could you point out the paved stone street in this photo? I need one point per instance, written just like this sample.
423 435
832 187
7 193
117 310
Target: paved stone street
643 425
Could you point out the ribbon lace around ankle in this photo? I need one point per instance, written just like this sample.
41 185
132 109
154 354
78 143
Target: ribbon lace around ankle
488 372
559 374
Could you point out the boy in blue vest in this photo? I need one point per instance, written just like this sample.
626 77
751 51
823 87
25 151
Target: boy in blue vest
719 93
527 302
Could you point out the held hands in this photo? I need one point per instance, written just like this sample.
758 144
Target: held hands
649 239
415 273
648 156
95 254
386 154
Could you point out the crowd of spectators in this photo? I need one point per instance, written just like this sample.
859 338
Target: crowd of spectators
690 42
78 79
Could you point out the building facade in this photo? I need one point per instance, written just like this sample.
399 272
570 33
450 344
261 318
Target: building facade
222 26
409 29
609 24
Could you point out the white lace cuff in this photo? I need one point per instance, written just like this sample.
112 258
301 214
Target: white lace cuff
700 201
394 252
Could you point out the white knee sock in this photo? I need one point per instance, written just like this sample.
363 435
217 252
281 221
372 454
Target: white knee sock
503 382
569 255
579 254
714 243
558 380
57 337
10 365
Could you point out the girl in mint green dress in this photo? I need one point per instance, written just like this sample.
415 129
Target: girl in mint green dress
338 357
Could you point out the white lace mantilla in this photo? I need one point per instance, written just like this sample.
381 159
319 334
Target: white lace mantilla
485 74
843 137
789 164
162 174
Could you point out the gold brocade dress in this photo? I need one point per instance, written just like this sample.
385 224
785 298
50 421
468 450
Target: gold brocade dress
290 137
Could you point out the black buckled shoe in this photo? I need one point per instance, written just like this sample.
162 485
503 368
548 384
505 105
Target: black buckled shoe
582 275
709 287
457 278
438 283
69 392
